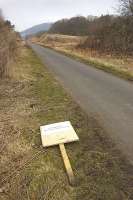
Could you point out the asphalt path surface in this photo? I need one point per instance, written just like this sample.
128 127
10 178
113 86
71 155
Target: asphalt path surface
106 97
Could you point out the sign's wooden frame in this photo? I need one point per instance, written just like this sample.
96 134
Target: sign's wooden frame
59 134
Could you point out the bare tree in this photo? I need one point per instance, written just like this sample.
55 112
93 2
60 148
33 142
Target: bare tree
126 7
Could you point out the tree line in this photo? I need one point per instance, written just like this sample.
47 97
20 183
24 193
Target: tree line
74 26
107 33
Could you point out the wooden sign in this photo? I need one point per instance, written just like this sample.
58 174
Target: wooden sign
59 134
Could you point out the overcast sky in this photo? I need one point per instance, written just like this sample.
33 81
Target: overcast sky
26 13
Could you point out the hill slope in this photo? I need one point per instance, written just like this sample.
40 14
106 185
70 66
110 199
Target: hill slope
36 29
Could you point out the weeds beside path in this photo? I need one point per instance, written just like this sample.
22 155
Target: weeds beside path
121 66
33 98
99 63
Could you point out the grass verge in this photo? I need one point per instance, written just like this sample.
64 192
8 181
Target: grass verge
33 98
105 66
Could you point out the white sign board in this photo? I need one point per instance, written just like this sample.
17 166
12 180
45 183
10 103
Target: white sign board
58 133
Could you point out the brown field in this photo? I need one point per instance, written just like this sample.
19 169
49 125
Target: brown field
59 41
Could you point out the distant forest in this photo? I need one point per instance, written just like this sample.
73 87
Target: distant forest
107 33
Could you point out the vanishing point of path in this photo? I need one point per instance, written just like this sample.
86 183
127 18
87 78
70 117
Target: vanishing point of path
101 94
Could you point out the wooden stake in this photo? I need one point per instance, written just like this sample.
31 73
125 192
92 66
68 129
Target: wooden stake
67 164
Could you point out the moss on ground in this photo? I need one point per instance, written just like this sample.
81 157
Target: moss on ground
31 172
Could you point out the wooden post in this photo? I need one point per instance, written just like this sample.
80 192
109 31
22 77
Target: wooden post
67 164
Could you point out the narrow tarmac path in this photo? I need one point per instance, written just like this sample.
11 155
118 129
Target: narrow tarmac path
107 97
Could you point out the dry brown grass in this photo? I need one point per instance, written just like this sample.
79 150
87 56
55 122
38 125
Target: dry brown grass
8 48
15 110
59 41
68 45
27 171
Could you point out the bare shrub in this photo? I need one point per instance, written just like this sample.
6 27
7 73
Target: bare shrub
7 46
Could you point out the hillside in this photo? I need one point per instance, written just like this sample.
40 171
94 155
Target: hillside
36 29
73 26
58 40
109 34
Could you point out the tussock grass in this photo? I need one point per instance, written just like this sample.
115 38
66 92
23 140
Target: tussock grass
33 98
8 47
99 63
102 64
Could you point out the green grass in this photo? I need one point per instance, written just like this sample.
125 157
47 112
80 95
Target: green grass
100 170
